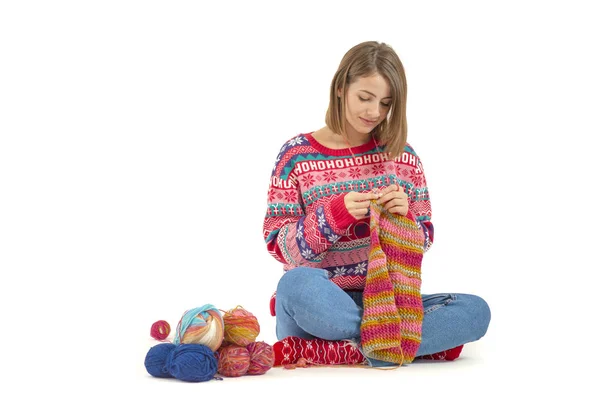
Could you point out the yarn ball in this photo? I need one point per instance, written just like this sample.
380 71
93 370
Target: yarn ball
202 325
234 361
187 362
262 358
241 327
160 330
192 363
156 359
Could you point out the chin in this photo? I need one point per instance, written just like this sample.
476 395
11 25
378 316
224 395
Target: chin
364 130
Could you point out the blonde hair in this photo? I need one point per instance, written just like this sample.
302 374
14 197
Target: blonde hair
363 60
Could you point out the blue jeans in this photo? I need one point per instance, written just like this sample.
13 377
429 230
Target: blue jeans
309 305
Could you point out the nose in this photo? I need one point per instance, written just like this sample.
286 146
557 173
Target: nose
373 111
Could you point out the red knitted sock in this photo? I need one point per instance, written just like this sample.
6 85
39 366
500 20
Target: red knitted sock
447 355
295 351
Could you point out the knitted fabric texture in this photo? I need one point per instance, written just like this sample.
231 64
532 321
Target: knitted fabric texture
393 310
307 223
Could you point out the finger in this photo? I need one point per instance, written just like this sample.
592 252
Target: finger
391 188
359 207
401 210
392 191
364 196
400 197
390 204
401 189
386 198
395 203
392 195
359 212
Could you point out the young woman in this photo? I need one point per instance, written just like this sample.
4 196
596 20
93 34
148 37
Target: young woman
331 194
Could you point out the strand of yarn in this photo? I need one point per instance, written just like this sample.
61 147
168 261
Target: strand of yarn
301 363
241 326
202 325
304 363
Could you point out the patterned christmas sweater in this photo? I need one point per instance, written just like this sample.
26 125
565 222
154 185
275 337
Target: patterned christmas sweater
307 223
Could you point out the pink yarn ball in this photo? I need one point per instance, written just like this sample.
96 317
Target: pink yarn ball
261 358
160 330
234 361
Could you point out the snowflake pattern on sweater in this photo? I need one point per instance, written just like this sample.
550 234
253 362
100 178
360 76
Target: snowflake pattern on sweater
307 224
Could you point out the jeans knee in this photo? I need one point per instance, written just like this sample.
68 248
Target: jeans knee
296 278
482 315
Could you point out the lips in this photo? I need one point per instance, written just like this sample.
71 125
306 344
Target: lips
367 122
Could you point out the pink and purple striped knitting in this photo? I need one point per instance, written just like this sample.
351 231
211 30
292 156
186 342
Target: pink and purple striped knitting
393 310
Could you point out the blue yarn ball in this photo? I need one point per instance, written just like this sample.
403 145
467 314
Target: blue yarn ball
156 360
192 363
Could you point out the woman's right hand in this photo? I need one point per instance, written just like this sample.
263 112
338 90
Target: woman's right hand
358 204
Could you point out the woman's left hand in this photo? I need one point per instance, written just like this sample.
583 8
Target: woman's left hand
394 200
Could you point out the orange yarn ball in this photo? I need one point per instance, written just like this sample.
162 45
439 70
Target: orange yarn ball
234 361
241 327
262 358
160 330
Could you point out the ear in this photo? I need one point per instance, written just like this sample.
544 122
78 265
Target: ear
339 92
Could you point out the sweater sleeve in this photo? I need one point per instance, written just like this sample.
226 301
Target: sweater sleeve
293 235
412 178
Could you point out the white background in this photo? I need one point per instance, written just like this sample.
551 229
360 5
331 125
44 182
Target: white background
137 141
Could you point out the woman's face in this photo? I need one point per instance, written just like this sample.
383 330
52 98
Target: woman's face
368 101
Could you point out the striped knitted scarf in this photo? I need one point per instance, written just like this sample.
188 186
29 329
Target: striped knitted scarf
393 310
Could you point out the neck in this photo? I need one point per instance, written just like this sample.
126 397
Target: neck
353 138
356 140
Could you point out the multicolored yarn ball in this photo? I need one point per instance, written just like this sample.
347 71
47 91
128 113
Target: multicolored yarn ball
160 330
187 362
233 361
202 325
262 358
241 327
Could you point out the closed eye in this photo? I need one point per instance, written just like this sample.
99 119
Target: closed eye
383 104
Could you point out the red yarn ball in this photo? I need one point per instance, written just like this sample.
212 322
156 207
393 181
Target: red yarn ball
234 361
262 358
160 330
